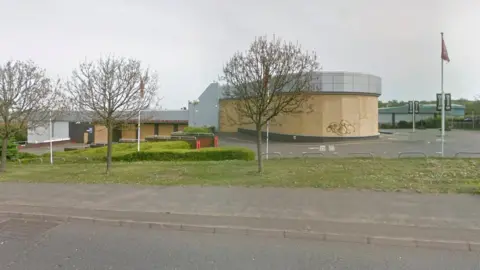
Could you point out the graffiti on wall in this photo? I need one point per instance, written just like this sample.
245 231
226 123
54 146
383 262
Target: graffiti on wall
341 128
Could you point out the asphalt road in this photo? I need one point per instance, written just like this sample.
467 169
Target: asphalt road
43 245
387 146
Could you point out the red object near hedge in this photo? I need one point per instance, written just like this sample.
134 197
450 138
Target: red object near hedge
198 144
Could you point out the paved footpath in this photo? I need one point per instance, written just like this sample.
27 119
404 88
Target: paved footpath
433 216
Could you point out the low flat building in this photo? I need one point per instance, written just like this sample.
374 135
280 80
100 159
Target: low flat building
77 127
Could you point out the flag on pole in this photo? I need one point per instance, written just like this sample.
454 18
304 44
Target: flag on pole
444 52
142 87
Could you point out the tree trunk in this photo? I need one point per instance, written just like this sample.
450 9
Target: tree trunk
3 165
259 149
109 148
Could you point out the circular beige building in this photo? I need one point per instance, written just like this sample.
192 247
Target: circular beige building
341 105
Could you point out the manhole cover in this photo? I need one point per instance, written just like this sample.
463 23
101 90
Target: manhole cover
23 229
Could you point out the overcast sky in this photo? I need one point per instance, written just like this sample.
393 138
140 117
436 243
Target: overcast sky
188 41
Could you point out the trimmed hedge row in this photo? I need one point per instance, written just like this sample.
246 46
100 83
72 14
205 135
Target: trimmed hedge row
188 130
124 148
159 151
204 154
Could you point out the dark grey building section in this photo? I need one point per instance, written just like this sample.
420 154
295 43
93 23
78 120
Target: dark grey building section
77 130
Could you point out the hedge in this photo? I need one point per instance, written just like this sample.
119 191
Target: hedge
160 151
190 130
204 154
12 150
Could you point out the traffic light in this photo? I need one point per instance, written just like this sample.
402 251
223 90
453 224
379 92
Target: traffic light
410 107
416 107
448 102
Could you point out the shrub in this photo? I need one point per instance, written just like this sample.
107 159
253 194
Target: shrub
121 149
404 124
26 155
21 135
204 154
12 150
386 126
194 130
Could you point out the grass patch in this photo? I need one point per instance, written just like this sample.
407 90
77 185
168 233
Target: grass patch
415 174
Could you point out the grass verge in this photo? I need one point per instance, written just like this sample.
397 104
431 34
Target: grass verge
432 175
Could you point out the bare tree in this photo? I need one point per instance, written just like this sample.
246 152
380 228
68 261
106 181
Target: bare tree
27 99
111 91
269 79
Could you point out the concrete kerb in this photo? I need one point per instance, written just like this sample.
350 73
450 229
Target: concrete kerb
288 234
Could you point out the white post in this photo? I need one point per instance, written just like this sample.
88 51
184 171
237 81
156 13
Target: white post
266 147
413 117
268 129
473 119
138 132
51 139
443 108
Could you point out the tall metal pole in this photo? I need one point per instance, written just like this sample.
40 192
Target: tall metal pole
268 129
51 139
443 104
413 117
138 132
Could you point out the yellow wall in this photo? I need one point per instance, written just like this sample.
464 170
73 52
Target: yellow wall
339 115
101 134
147 130
129 131
165 129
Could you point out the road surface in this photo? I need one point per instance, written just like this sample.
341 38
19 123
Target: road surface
39 245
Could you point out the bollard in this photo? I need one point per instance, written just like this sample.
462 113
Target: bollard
198 144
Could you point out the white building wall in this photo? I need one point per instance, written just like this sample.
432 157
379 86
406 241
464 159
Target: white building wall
42 133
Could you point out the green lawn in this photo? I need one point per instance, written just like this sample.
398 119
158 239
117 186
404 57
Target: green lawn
421 175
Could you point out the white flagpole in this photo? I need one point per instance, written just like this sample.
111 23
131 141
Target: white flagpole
268 131
443 105
138 131
51 143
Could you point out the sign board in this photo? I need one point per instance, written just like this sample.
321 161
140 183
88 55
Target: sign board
410 107
439 102
448 102
90 130
416 107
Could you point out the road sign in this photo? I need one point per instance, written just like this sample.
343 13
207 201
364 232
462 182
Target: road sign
448 102
416 107
413 107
